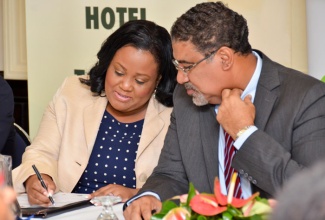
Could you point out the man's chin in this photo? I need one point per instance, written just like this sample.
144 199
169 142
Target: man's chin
199 102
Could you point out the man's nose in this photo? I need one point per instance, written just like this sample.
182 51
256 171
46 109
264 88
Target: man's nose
182 77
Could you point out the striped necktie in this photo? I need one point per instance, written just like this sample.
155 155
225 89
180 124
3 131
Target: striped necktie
229 170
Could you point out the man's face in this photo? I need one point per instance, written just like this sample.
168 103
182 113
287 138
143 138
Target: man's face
206 80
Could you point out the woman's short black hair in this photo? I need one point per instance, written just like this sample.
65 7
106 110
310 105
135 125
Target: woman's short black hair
144 35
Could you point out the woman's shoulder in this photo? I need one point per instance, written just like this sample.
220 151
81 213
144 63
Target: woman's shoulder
155 105
72 85
73 91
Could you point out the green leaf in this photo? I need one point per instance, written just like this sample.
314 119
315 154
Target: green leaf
253 217
227 215
191 194
157 216
263 200
166 207
201 217
233 211
259 207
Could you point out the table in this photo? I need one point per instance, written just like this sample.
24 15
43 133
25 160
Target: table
87 213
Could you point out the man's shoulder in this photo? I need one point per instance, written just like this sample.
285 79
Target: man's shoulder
5 89
287 76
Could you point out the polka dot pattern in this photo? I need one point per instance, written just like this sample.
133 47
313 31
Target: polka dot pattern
112 160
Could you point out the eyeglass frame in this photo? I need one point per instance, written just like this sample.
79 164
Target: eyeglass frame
187 69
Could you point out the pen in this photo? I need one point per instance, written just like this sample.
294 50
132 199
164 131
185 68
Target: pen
42 182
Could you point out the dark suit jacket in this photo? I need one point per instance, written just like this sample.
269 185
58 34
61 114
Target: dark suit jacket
290 117
7 130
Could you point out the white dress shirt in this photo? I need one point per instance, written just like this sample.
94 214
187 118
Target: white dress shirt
249 90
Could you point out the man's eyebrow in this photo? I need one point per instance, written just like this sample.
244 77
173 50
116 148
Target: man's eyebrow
184 62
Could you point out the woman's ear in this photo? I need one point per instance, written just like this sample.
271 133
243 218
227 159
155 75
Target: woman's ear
158 80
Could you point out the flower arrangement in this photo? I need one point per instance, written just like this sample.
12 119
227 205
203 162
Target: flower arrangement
203 206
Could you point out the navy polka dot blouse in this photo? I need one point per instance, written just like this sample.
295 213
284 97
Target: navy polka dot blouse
112 160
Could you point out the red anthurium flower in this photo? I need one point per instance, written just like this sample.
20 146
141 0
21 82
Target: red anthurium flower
235 202
178 213
2 177
206 204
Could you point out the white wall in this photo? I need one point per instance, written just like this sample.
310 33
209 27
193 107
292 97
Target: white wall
278 28
58 41
316 37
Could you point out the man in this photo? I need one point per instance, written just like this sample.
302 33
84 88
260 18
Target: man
309 203
276 115
7 129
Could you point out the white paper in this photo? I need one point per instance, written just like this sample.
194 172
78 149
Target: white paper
60 199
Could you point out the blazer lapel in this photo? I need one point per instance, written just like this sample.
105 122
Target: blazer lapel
93 115
151 127
210 139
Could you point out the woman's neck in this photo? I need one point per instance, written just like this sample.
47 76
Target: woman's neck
130 116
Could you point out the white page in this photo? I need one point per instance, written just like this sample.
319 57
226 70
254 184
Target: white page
60 199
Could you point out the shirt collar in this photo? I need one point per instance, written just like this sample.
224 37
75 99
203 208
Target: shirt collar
252 85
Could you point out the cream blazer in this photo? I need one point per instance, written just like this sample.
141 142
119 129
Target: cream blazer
67 134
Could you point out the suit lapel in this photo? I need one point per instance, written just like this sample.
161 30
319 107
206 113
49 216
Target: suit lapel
93 115
210 139
151 127
265 97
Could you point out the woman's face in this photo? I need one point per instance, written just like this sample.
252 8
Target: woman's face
130 81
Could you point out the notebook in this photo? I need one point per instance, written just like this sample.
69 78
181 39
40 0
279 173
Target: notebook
64 202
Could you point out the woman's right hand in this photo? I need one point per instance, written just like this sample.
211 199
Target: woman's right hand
37 195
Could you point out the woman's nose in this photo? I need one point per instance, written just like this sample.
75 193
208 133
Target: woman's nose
126 85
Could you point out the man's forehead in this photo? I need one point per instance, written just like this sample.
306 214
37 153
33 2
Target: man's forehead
185 44
182 49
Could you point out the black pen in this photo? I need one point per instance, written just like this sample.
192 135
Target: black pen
43 184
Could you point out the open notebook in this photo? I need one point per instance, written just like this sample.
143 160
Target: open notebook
63 202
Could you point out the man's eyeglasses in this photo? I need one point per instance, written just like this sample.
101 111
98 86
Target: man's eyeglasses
187 69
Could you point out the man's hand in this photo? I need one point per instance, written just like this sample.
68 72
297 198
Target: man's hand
37 195
115 190
142 208
234 114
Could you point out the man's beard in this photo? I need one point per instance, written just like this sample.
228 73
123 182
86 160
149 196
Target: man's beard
197 97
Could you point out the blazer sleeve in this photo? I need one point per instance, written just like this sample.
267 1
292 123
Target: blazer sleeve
168 178
44 150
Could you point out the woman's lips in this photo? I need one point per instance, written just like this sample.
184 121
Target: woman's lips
122 97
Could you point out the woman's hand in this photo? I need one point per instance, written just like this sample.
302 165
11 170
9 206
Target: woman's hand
115 190
37 195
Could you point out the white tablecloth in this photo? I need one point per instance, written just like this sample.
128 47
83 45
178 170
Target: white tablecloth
88 213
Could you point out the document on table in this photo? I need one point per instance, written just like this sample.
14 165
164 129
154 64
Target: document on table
60 198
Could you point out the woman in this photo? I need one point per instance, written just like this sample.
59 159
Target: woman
89 139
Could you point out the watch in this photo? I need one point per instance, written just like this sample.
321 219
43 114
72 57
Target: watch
242 131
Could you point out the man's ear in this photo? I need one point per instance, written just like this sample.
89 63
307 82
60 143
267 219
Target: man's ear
227 57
